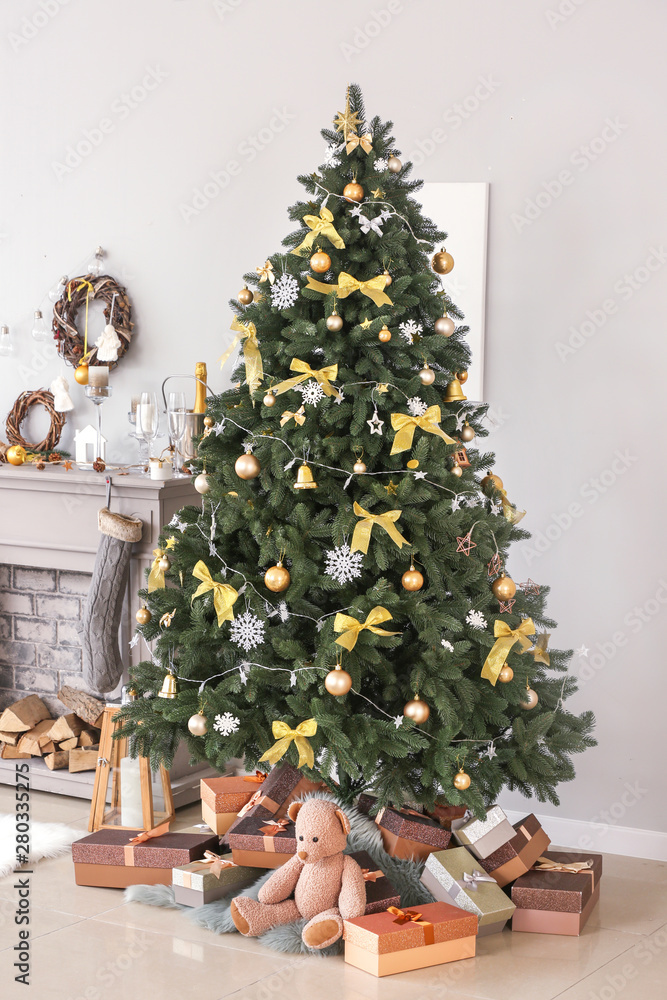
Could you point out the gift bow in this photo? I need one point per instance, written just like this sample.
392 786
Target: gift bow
549 865
157 831
540 649
407 916
322 375
156 575
346 284
405 425
299 416
223 595
351 628
254 370
266 273
362 531
274 826
370 876
284 736
320 226
505 639
258 777
470 880
365 141
252 801
216 862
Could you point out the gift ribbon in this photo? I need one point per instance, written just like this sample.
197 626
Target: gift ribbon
320 226
254 370
258 777
274 826
505 639
223 595
540 649
284 736
471 880
370 876
405 425
299 417
83 281
365 141
156 575
351 628
321 375
252 801
141 838
211 862
346 284
362 531
549 865
407 916
266 273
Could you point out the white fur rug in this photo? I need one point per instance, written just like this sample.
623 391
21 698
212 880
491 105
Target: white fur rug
47 840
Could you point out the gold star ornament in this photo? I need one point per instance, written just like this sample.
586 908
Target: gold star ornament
347 121
366 323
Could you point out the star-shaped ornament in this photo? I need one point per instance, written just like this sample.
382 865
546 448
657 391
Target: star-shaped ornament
530 587
419 475
539 650
456 504
490 751
381 388
582 651
494 565
376 424
366 323
391 488
347 121
506 606
465 544
460 420
67 466
398 721
378 193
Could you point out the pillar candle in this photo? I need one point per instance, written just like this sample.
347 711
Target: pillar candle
131 813
98 375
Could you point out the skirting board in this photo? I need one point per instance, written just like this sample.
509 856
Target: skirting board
580 835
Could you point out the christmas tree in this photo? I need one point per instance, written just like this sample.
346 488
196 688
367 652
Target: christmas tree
338 600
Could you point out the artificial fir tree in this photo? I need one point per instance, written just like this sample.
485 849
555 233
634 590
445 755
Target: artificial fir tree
353 507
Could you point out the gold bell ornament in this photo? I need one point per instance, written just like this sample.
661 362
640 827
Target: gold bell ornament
454 392
169 687
304 479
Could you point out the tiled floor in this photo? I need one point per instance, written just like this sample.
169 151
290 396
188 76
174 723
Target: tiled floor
87 944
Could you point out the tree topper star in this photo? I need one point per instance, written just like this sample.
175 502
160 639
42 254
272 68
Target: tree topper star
347 121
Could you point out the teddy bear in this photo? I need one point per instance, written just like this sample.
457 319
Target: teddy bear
319 883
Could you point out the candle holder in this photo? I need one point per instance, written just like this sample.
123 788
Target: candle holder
97 394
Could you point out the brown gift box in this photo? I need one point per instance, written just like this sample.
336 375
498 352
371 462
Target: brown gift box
406 834
262 843
415 938
519 854
224 797
557 902
380 893
284 783
107 858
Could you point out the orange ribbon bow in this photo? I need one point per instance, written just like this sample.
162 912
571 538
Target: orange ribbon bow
370 876
407 916
252 801
216 862
274 826
258 777
157 831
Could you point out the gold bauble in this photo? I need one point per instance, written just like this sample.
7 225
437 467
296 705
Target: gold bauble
416 710
427 375
462 377
445 326
394 164
442 262
412 579
208 421
529 699
165 564
277 578
462 780
245 296
198 724
320 262
247 466
504 588
359 467
387 278
16 455
338 681
506 674
143 616
334 322
269 399
384 336
353 191
456 470
201 483
81 374
468 432
491 480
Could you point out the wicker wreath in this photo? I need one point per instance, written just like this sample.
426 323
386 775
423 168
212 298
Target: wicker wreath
68 339
19 412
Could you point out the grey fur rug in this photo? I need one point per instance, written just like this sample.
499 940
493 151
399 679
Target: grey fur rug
364 836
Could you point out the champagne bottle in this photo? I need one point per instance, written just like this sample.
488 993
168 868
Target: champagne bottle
200 392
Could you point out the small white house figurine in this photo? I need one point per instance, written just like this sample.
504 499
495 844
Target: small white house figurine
85 441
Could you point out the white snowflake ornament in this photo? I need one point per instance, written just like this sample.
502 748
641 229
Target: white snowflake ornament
342 565
247 631
285 292
476 619
331 154
409 330
312 392
417 407
380 164
226 724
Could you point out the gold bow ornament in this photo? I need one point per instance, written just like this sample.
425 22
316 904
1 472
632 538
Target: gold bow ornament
351 628
321 225
362 531
284 737
299 417
346 284
411 916
321 375
405 425
266 273
539 650
156 575
254 370
141 838
365 141
575 867
224 596
505 639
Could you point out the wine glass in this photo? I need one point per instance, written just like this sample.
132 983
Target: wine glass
148 420
177 413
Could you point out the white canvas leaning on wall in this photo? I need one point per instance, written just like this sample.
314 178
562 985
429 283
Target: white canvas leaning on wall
461 210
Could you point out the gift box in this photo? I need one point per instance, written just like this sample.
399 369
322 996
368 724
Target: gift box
211 878
447 815
223 798
519 854
403 940
118 858
410 834
262 843
282 786
484 836
380 893
558 895
454 877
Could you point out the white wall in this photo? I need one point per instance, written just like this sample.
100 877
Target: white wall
550 88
